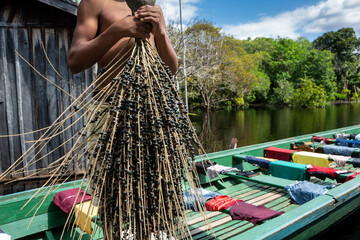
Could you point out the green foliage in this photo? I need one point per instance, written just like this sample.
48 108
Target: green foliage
343 96
355 97
266 70
219 68
345 45
282 93
308 95
239 101
228 105
340 96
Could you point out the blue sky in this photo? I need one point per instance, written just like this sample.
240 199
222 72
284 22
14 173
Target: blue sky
270 18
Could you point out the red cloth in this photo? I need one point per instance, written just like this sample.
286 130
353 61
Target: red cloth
221 202
252 213
351 176
319 139
65 200
279 153
323 172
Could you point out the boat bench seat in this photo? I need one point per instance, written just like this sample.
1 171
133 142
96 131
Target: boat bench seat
244 165
264 179
47 217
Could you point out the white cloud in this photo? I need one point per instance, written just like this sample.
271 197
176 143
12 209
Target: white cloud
171 9
325 16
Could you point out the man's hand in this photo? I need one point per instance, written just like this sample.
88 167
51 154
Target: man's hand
153 15
132 27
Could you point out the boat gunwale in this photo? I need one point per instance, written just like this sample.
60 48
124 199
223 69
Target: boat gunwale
275 228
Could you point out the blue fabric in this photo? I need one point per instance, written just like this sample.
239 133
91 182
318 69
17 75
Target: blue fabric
193 203
338 150
262 163
348 143
302 192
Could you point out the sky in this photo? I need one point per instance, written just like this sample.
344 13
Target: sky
270 18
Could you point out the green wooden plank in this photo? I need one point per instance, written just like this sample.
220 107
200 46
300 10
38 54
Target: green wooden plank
237 193
49 235
247 225
233 227
40 223
13 203
327 221
266 180
292 221
346 191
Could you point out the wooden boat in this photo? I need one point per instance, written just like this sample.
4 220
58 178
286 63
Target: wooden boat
298 222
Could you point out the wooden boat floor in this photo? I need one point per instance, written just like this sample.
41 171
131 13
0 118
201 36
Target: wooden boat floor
222 226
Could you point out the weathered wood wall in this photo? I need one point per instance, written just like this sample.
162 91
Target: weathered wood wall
27 101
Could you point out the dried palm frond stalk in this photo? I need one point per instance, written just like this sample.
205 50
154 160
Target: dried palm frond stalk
139 143
145 151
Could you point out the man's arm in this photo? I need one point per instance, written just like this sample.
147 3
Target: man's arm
87 48
154 15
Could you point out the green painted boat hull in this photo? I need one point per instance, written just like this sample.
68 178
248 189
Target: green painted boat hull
299 222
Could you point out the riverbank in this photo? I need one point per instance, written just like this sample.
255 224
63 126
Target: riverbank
257 124
265 105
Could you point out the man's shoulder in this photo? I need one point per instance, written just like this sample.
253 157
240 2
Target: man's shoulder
93 4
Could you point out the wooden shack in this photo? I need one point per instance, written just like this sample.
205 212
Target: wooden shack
28 102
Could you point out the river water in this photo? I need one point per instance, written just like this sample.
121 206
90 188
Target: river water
257 125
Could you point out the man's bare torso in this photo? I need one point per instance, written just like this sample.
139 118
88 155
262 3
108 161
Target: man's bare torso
112 11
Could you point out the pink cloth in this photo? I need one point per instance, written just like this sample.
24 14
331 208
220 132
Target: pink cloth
319 139
65 200
252 213
279 153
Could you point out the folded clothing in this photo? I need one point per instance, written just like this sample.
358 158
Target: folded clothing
221 202
323 173
339 150
303 191
194 200
252 213
339 160
84 213
203 165
4 236
356 162
302 146
306 158
279 153
353 136
320 139
352 177
341 136
261 163
248 174
305 146
348 143
66 199
289 170
217 169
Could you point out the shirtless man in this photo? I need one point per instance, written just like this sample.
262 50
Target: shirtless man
105 26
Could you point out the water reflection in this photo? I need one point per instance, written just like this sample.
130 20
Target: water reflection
257 125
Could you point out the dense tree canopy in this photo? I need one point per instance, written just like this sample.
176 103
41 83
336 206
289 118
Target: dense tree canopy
345 45
224 71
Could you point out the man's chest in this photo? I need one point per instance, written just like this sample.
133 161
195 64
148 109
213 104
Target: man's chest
113 12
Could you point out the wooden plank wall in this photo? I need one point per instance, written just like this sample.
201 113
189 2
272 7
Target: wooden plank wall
27 101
